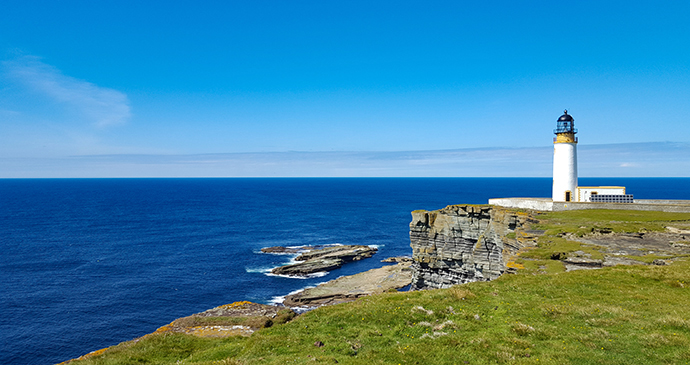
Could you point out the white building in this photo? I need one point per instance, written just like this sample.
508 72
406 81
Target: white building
585 193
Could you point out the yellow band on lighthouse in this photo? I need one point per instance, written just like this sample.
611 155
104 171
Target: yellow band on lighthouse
565 138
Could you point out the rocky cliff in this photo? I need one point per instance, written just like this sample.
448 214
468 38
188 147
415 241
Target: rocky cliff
464 243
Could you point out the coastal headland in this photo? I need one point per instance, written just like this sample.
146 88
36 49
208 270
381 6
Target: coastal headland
513 286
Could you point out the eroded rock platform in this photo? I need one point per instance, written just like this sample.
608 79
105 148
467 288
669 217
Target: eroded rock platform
320 259
349 288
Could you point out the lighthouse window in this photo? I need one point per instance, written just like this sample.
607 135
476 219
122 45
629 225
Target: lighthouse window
567 196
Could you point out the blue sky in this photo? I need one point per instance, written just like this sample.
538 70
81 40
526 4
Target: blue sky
325 88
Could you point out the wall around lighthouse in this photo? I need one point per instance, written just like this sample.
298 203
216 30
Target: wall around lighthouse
564 171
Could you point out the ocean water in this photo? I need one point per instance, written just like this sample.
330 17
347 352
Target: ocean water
89 263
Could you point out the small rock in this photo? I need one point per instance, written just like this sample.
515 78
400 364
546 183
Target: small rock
660 262
558 256
288 250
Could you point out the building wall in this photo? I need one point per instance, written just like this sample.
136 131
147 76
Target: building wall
564 171
585 192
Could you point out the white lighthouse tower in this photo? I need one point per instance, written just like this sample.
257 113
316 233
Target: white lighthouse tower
565 160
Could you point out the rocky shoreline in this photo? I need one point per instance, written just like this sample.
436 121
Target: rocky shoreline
454 245
244 318
346 288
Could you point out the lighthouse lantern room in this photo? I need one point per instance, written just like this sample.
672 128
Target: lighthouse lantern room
565 160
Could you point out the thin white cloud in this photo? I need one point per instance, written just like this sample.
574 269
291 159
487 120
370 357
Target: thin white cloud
659 159
102 106
8 112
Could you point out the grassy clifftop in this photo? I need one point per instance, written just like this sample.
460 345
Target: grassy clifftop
614 315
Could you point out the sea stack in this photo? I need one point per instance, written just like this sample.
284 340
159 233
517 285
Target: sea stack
564 160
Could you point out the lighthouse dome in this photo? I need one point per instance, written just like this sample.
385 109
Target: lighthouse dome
565 117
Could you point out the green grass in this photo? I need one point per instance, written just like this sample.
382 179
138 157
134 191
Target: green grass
554 247
557 226
619 315
542 315
581 222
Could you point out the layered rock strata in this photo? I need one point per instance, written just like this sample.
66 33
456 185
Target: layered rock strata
464 243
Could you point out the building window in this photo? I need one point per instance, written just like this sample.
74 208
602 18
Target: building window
567 196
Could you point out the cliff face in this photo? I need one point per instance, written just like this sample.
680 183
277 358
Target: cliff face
463 243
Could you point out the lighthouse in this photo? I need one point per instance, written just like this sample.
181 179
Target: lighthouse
566 194
564 160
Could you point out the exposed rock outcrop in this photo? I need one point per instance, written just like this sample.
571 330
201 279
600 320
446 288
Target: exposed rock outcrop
287 250
320 259
308 267
235 319
465 243
346 253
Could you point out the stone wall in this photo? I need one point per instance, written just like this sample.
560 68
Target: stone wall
464 243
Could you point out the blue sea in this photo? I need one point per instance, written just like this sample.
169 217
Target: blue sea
89 263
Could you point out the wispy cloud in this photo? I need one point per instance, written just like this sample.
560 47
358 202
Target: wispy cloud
652 159
102 106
